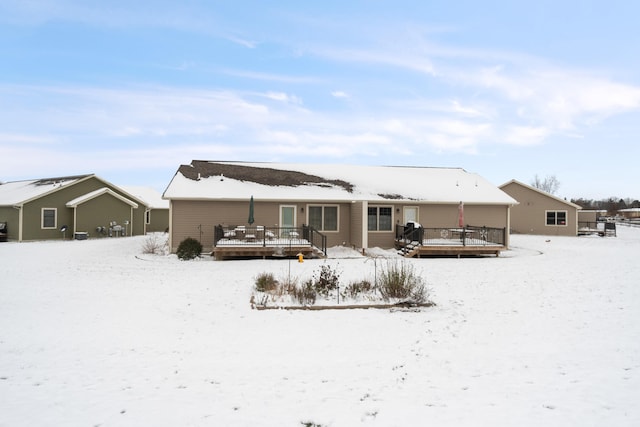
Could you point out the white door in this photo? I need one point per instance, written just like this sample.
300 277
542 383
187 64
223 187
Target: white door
410 214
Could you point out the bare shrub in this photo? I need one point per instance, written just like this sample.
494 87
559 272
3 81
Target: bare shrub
265 282
327 280
399 281
155 245
354 289
305 294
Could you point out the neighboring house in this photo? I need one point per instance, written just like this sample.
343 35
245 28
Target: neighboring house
539 212
66 207
157 213
630 213
589 217
355 206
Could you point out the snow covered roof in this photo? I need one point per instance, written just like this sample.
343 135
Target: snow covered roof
208 180
20 192
151 196
99 192
544 193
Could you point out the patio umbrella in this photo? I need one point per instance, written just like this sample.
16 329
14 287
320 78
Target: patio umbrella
251 220
461 215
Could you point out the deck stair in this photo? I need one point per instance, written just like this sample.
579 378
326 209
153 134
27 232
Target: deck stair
409 249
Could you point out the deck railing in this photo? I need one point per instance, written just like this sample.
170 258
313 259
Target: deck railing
469 235
261 236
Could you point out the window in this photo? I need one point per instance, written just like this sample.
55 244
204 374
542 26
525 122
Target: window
379 218
147 217
323 218
49 219
556 218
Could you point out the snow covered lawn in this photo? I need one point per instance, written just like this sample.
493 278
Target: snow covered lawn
93 333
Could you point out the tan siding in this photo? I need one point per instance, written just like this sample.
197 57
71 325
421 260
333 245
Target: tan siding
588 216
385 239
381 239
435 216
334 238
355 235
192 217
529 216
189 216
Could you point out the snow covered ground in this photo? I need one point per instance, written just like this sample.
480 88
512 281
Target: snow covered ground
94 333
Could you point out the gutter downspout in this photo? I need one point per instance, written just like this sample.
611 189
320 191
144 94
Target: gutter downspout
171 226
147 211
508 230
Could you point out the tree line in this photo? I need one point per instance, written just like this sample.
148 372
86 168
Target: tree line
612 205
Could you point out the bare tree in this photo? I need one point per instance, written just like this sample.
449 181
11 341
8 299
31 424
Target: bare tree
549 184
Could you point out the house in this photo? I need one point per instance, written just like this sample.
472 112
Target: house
157 213
65 207
227 204
539 212
630 213
589 218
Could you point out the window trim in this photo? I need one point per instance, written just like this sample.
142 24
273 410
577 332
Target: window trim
281 217
322 229
555 212
55 218
378 207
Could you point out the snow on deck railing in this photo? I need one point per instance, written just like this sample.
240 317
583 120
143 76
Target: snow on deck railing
261 236
451 236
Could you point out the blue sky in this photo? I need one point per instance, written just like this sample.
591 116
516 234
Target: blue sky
506 89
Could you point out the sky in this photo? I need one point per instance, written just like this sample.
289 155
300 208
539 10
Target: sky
506 89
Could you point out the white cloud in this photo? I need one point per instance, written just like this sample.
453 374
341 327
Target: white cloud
283 97
339 94
242 41
525 135
23 138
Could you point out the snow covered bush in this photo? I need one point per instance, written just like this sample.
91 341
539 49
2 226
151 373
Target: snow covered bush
399 281
189 248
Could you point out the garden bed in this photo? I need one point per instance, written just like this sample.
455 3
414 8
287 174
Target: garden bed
397 286
404 304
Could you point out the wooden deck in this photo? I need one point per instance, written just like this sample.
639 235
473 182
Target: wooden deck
267 242
453 250
448 247
228 252
458 241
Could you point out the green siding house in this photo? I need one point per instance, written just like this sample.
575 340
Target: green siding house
66 207
157 215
